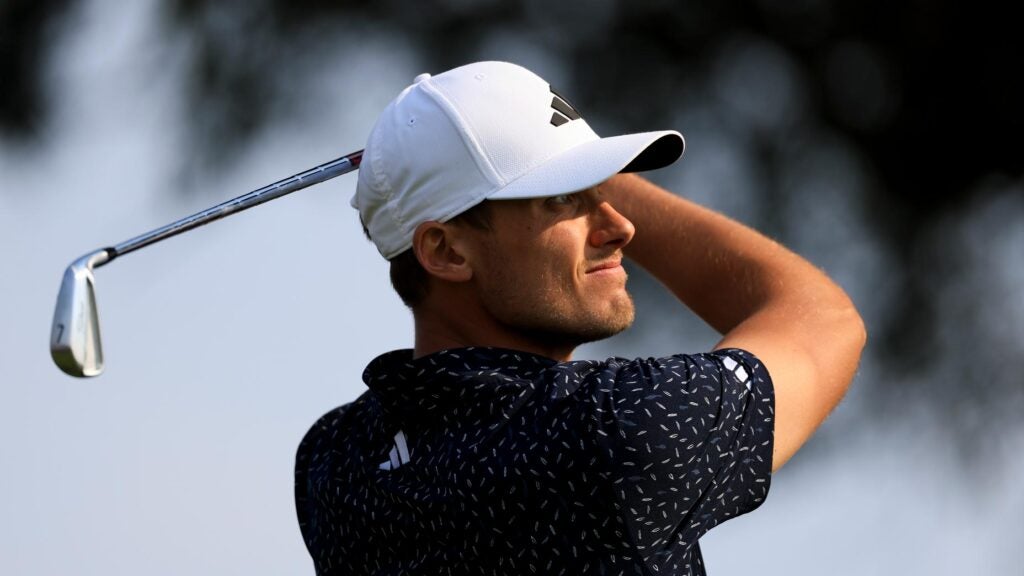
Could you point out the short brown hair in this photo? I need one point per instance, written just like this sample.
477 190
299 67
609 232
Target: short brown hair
408 278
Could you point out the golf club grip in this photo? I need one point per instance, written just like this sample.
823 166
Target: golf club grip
315 175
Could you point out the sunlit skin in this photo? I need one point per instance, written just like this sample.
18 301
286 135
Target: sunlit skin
546 277
535 283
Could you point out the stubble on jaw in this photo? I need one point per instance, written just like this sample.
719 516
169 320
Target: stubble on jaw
554 316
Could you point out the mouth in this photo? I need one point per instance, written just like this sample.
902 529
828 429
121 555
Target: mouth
609 267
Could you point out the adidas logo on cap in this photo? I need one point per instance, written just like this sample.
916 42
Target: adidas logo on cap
564 112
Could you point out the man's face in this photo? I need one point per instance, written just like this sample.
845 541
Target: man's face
550 269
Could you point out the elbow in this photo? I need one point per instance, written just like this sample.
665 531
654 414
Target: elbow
845 324
851 336
856 329
862 333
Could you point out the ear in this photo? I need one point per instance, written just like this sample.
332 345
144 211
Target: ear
437 247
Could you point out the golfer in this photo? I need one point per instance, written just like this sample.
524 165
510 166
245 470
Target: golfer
485 449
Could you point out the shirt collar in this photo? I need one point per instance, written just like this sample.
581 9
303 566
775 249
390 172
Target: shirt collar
474 375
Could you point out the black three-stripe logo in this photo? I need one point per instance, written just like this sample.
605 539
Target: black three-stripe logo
564 112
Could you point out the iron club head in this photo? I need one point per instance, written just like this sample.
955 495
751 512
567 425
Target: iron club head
75 336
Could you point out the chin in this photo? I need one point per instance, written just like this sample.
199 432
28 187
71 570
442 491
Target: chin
570 332
619 317
567 326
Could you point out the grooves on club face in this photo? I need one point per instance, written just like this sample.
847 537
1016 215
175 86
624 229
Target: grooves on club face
75 336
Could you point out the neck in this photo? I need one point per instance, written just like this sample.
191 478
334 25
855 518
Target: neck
443 327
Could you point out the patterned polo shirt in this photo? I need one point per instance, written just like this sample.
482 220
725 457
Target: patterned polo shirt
492 461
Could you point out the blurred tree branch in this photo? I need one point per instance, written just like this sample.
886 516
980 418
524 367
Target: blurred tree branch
929 94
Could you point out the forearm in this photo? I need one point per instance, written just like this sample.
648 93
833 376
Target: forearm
724 271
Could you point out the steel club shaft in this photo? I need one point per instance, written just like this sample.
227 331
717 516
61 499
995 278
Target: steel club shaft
75 343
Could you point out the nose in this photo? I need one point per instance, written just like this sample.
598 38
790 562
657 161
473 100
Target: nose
609 227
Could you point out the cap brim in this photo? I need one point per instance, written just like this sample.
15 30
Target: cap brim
593 162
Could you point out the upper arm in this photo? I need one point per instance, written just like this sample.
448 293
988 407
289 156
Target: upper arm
811 357
684 442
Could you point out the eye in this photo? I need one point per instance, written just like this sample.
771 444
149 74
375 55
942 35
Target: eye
561 200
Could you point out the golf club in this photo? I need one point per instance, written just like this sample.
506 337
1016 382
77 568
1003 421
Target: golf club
75 337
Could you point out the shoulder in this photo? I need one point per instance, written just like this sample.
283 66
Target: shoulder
335 426
664 393
723 397
729 367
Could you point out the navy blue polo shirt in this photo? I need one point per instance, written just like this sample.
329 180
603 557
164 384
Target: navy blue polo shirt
492 461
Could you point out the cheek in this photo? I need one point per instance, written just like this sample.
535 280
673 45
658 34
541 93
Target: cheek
563 258
533 268
518 282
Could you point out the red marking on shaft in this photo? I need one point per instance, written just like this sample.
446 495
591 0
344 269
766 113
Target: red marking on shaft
355 158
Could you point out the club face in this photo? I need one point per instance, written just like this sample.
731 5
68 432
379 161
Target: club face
75 336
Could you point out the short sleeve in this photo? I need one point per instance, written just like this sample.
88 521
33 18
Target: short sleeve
686 444
314 469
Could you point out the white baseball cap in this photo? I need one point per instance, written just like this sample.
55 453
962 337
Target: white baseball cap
489 130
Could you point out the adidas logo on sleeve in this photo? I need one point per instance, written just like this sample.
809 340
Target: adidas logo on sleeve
399 453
